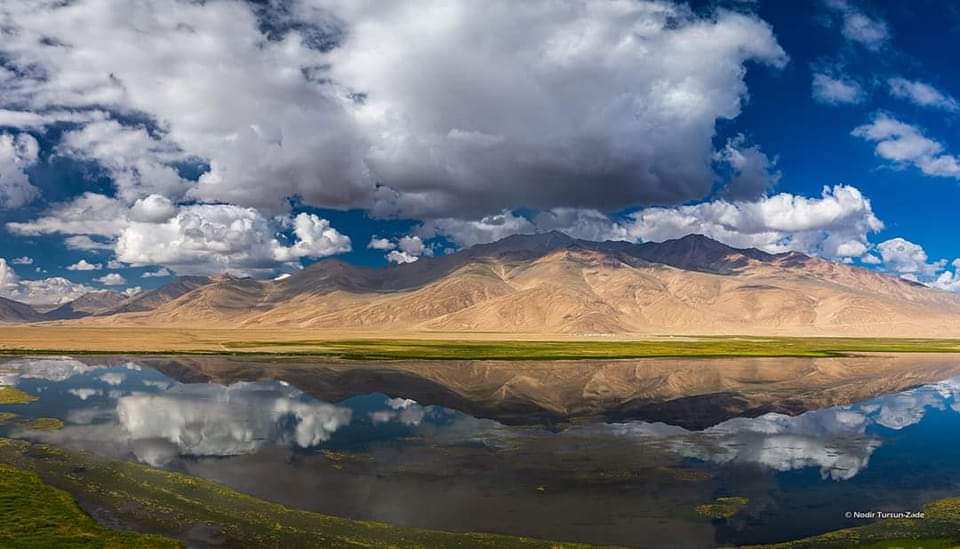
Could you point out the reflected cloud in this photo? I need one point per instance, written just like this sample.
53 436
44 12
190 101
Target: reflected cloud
51 369
55 369
213 420
84 393
839 441
402 410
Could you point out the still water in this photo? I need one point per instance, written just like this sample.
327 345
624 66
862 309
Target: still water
382 454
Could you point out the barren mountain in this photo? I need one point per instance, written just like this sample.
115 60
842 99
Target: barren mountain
88 304
149 300
553 284
14 311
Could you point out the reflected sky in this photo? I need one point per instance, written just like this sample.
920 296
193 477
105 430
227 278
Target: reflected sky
837 441
368 454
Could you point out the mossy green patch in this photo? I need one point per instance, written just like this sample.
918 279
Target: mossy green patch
172 504
12 395
46 424
940 528
722 507
34 514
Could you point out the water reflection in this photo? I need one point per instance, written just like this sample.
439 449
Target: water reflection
212 420
368 453
838 441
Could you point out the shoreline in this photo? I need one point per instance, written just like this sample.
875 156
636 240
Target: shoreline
48 340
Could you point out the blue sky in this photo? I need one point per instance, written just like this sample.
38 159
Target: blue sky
168 137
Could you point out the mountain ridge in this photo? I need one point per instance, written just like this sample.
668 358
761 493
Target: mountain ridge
551 283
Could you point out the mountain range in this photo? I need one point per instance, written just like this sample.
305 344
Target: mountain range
547 283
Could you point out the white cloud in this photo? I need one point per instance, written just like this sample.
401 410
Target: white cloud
315 238
159 273
114 264
153 209
872 33
84 265
85 243
921 94
24 260
405 249
836 90
90 214
397 256
908 259
17 152
83 393
112 279
400 116
217 238
858 27
45 292
380 244
132 291
835 225
39 120
904 144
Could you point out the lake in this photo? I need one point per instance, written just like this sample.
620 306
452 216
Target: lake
619 452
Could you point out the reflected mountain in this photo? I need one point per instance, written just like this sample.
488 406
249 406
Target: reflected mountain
691 393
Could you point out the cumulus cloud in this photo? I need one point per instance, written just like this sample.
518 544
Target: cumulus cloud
17 152
159 273
153 209
406 249
210 238
44 292
908 259
837 224
922 94
84 265
836 90
315 238
23 260
377 243
395 111
111 279
905 145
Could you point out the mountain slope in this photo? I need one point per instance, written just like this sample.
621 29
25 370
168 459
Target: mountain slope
554 284
151 299
14 311
88 304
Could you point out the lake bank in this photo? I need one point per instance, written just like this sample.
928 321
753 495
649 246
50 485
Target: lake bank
46 339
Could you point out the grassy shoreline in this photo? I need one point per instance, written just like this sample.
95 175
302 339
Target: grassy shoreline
44 341
149 507
157 507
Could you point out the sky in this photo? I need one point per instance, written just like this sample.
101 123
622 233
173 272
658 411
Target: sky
141 140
